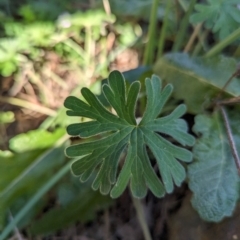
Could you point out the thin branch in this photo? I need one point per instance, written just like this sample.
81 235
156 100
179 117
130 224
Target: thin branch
230 138
28 105
235 74
229 101
193 37
107 7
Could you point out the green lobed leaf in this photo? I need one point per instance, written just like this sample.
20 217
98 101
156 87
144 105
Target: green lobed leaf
197 80
221 16
121 132
213 176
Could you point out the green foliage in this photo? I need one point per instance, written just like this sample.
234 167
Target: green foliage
73 38
197 80
27 206
220 16
139 9
10 57
6 117
36 34
85 19
31 155
41 11
32 10
126 144
34 140
123 131
21 176
30 165
135 8
213 176
77 202
30 171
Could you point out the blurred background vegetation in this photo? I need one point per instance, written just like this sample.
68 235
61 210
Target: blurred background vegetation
49 50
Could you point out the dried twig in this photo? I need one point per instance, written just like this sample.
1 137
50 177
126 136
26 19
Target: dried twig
193 37
235 74
230 138
28 105
229 101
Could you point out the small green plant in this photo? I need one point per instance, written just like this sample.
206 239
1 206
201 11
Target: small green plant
124 132
222 17
121 145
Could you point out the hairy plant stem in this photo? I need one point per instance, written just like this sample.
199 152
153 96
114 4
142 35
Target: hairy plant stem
230 138
141 218
224 43
149 49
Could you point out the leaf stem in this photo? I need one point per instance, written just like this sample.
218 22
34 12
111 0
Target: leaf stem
163 30
149 50
141 218
183 28
224 43
230 138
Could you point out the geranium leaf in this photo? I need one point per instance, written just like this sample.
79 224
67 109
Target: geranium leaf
213 176
221 16
122 133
